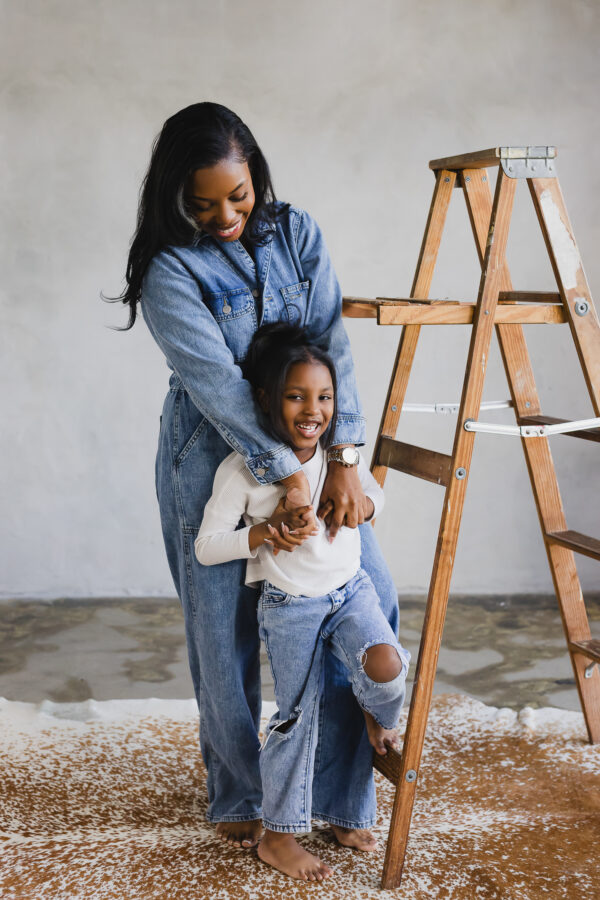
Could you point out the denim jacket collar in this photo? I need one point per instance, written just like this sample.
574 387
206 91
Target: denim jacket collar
236 254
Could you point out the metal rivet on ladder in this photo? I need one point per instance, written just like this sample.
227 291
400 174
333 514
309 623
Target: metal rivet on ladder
394 408
411 775
484 178
460 473
446 178
468 178
589 670
527 404
581 306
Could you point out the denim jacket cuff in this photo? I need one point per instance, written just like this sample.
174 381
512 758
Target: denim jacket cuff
349 429
270 467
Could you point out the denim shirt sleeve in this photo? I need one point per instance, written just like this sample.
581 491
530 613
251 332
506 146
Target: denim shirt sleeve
193 343
324 321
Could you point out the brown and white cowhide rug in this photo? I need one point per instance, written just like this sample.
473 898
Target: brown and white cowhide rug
106 800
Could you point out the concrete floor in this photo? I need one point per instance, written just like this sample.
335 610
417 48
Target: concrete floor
504 650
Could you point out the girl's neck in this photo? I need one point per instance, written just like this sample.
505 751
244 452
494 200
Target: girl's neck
305 455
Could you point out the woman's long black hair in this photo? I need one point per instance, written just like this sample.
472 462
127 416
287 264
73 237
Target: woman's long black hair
196 137
274 349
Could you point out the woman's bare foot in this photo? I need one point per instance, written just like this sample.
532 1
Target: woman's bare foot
284 853
240 834
379 737
358 838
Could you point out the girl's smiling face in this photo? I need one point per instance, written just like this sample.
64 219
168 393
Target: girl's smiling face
307 406
221 198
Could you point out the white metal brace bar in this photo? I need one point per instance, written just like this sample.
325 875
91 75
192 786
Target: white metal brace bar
447 408
532 430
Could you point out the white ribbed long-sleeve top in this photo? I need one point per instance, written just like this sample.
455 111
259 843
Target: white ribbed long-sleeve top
312 569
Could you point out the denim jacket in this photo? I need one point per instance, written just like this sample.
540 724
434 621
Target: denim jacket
202 304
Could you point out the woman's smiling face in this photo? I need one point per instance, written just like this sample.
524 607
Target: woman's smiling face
221 198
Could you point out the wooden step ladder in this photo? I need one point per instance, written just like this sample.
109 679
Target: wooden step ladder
497 305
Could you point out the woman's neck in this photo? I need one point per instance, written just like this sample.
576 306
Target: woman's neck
246 244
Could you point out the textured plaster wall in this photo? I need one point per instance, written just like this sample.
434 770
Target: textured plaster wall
349 100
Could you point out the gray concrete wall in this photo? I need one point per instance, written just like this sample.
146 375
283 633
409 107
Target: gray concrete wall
349 100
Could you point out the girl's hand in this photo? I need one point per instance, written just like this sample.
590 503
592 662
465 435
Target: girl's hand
283 529
343 501
298 495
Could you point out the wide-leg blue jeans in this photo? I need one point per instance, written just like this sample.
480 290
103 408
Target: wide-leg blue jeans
220 615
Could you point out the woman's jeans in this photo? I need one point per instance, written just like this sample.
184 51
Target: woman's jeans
221 627
297 631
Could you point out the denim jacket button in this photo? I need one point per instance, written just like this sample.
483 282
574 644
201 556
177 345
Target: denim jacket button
255 293
261 472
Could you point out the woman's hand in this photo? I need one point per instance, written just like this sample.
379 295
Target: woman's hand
343 501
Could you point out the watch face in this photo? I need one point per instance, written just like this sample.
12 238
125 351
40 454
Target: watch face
350 456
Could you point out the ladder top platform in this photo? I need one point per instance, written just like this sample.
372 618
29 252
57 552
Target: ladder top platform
481 159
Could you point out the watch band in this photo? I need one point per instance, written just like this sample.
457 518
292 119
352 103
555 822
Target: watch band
347 456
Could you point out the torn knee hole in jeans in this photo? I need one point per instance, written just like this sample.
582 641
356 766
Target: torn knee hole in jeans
362 657
283 727
362 653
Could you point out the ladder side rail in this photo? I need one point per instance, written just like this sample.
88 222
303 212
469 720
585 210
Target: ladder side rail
540 466
442 194
570 276
448 534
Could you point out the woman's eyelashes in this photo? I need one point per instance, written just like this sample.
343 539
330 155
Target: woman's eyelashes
200 209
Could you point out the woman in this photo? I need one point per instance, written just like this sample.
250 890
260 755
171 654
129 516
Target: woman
214 255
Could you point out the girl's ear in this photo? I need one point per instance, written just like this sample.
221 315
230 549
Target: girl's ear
263 400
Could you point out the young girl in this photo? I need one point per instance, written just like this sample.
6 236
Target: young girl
312 594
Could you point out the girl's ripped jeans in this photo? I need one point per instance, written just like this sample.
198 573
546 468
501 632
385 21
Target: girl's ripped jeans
297 631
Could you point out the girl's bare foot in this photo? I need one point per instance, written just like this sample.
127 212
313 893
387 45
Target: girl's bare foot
284 853
240 834
380 738
358 838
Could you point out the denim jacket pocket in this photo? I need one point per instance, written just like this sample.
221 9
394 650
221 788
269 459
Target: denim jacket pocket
295 298
235 313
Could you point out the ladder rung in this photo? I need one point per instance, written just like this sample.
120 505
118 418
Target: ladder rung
418 461
389 765
366 308
591 648
576 541
529 297
360 307
589 434
440 312
481 159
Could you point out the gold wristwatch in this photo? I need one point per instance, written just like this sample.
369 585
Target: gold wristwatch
347 456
